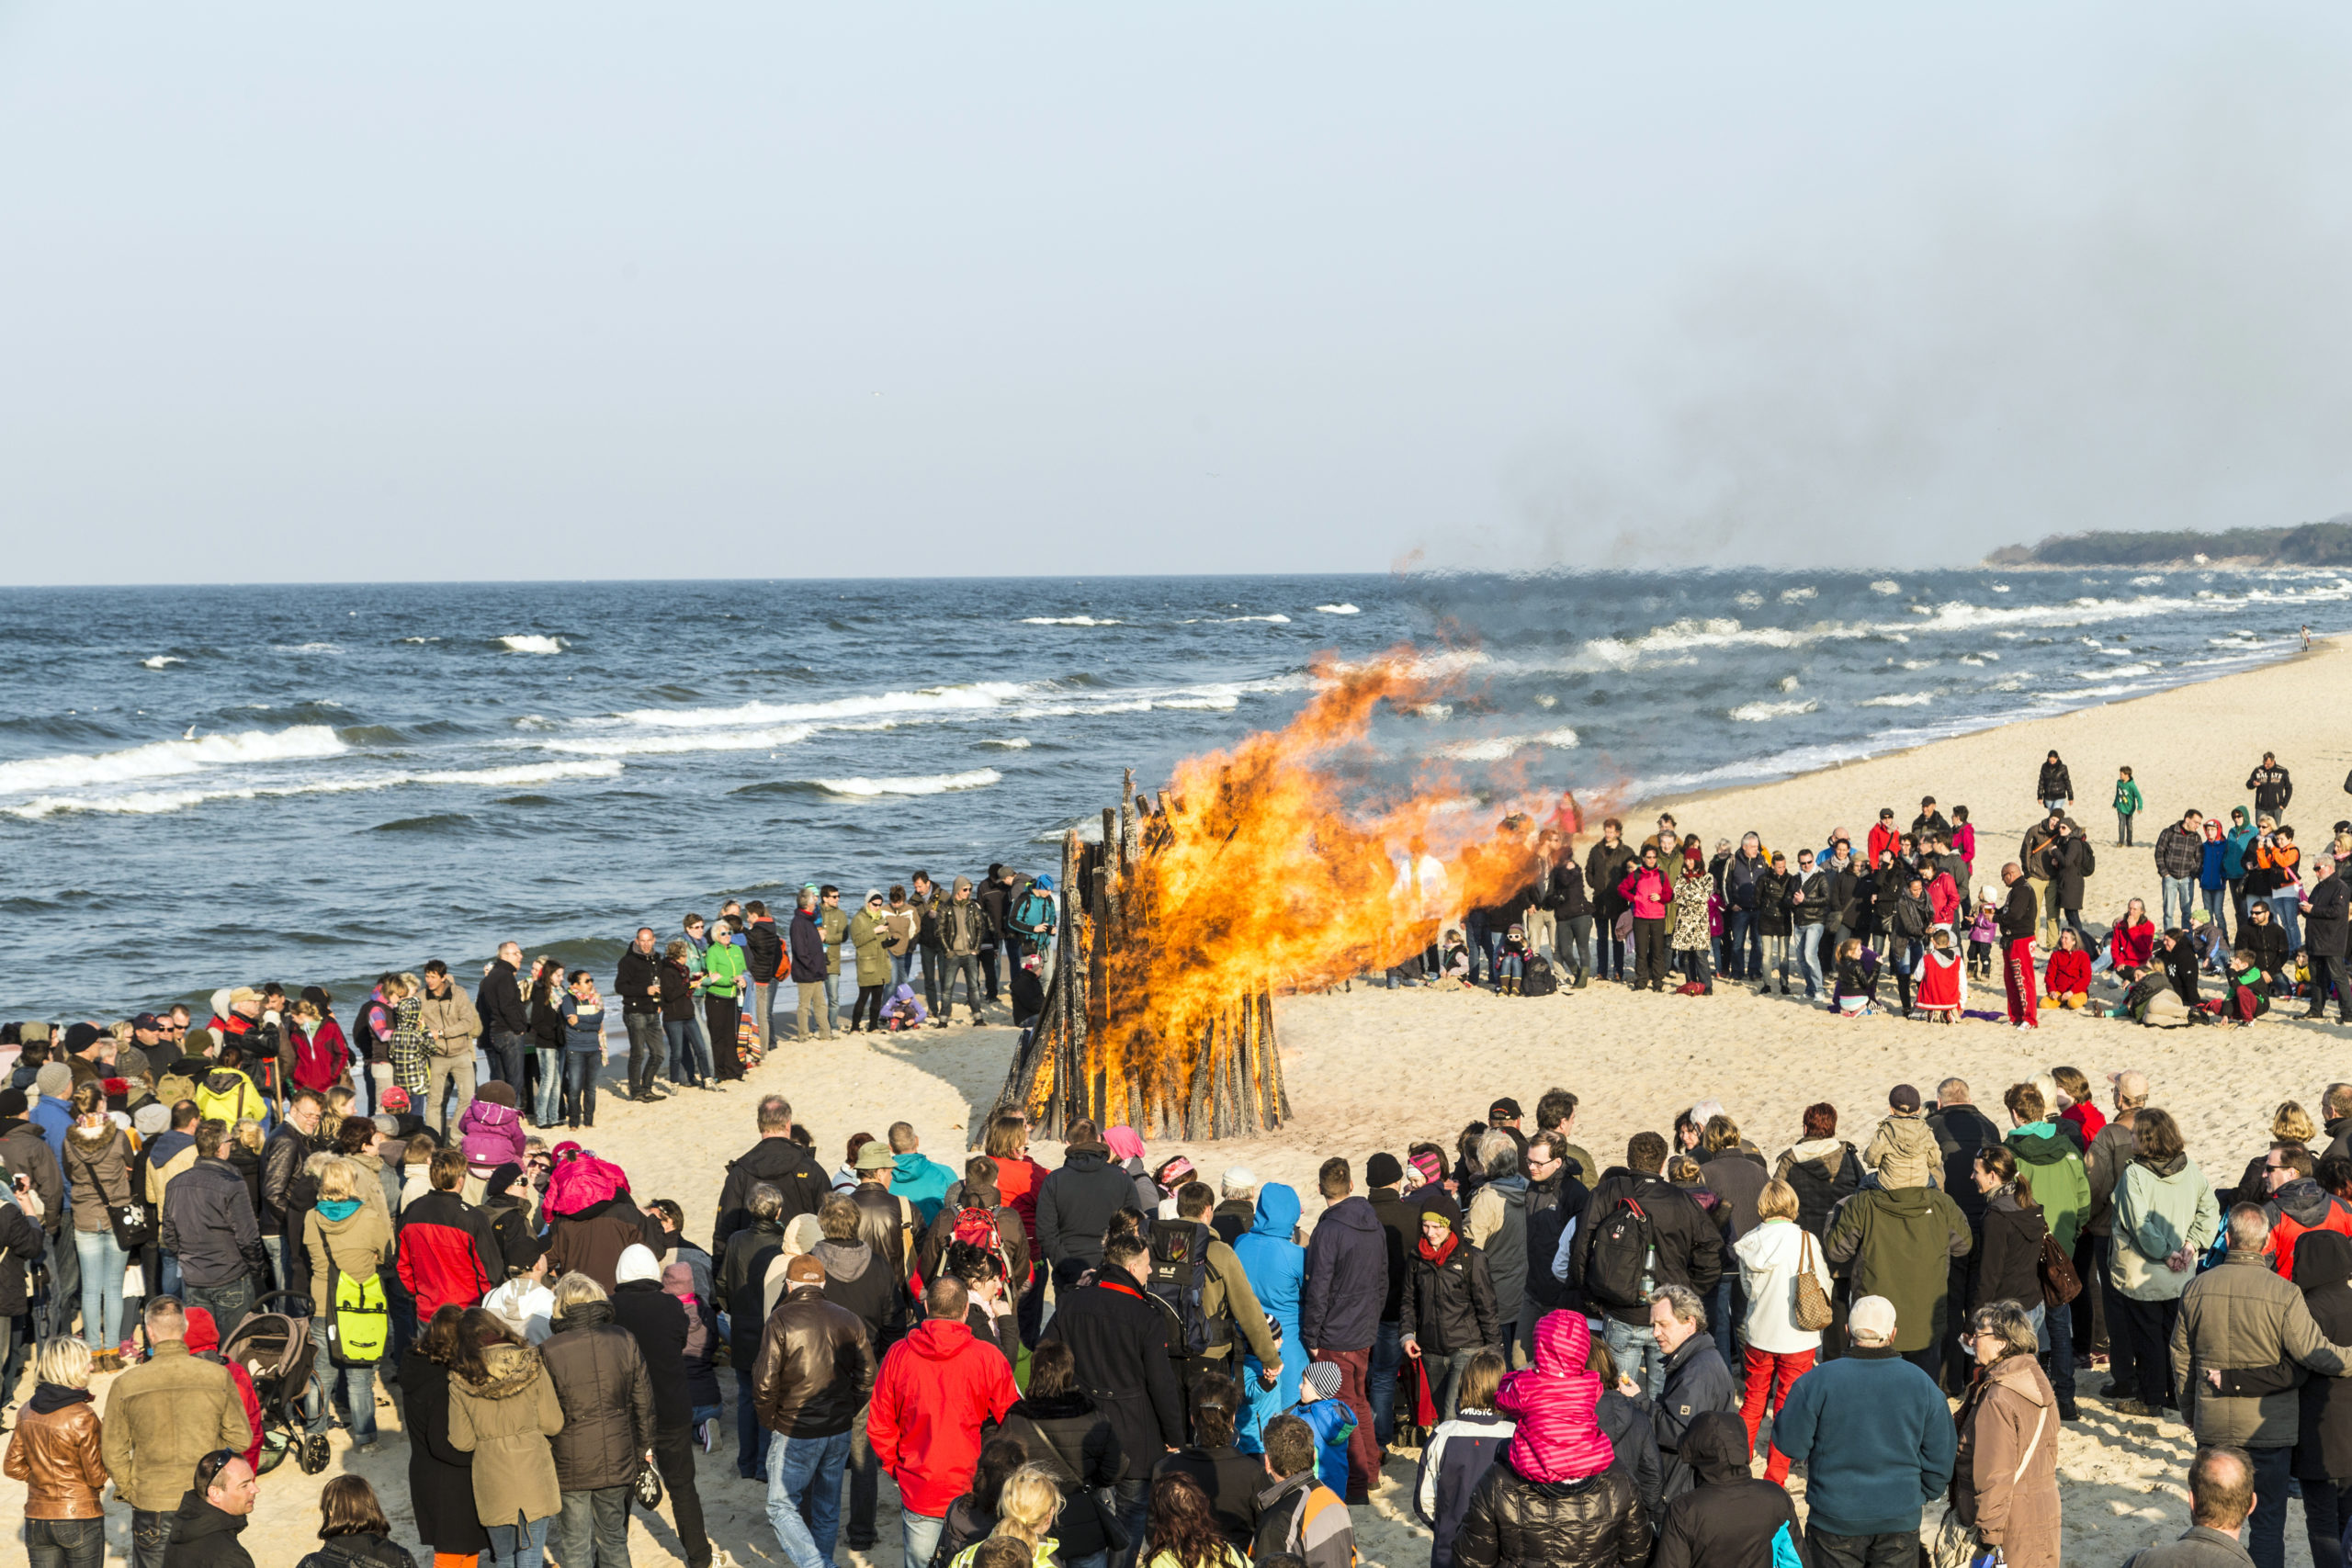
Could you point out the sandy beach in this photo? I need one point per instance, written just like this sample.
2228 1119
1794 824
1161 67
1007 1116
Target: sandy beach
1370 1070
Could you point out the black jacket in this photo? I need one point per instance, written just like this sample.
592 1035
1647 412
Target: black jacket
1730 1519
204 1537
1402 1224
359 1551
2069 863
599 1379
1347 1279
207 1224
2008 1260
21 1243
2272 788
1627 1426
1697 1381
808 942
1230 1480
2019 913
1449 1306
1604 868
1690 1247
2324 921
2053 782
281 1161
440 1478
1961 1131
1564 890
1513 1522
1075 1440
1118 1337
1551 1204
783 1165
855 1278
637 975
657 1321
1821 1185
500 1001
2266 941
1074 1207
742 1283
763 954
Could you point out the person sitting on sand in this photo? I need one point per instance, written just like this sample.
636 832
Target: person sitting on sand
2066 981
2130 942
1453 962
1510 961
1857 979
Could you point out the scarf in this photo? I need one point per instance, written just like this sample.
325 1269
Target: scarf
1438 1255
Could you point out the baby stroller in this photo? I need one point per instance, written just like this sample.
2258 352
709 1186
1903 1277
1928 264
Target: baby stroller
275 1348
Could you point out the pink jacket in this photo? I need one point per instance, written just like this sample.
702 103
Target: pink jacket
1553 1400
491 1135
1650 891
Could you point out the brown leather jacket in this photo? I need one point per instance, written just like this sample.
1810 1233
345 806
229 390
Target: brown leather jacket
55 1454
816 1366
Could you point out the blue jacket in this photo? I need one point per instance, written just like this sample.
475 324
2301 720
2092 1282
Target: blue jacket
1275 1265
922 1181
55 1119
2216 871
1346 1280
1876 1439
1332 1423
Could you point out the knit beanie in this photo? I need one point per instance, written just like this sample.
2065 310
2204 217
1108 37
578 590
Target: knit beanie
55 1080
1382 1170
1431 1167
1324 1379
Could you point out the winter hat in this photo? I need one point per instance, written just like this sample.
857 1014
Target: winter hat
502 1177
1382 1170
637 1265
388 1124
80 1037
1123 1143
1873 1315
1238 1179
55 1080
497 1094
802 1235
12 1104
1442 1207
1905 1099
1324 1379
1431 1167
152 1117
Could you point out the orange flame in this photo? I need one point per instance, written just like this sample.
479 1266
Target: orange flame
1268 874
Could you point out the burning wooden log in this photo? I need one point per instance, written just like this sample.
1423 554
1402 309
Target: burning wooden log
1108 1049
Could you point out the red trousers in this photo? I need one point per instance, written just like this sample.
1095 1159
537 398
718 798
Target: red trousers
2018 971
1363 1446
1769 1377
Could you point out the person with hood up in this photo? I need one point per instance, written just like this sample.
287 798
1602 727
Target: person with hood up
348 1239
502 1410
1345 1285
1729 1519
2005 1464
1558 1496
904 1010
658 1323
1275 1266
1076 1202
440 1478
936 1390
1459 1453
1902 1151
55 1451
600 1379
490 1130
916 1177
1447 1312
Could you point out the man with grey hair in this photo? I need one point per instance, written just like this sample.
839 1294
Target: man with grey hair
2238 1324
1496 1225
1697 1381
2327 926
2104 1163
1236 1208
1876 1439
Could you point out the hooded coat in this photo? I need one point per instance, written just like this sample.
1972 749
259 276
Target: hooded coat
1899 1242
1512 1522
1118 1337
1276 1267
2009 1420
206 1537
491 1134
1729 1519
937 1388
1556 1436
1903 1151
2048 1154
504 1421
1074 1207
2160 1207
2323 1437
440 1476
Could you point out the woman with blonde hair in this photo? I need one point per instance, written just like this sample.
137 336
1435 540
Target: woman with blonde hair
349 1242
352 1523
1025 1510
1773 1257
55 1452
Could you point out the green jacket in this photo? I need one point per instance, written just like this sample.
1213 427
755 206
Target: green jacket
2127 796
2156 1214
833 926
867 932
1899 1240
2046 1156
724 964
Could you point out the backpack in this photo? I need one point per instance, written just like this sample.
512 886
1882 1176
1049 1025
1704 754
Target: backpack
172 1087
977 1227
359 1321
1619 1259
1539 980
1032 917
1180 1277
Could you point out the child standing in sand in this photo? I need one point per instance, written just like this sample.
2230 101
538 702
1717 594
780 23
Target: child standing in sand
1983 932
2127 807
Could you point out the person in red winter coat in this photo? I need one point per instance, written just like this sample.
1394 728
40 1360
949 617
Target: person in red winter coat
936 1389
2132 942
2066 979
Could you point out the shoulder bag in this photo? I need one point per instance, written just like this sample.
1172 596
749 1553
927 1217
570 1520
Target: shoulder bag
2060 1284
1955 1543
133 1222
1811 1311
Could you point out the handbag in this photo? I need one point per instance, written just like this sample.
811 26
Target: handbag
2060 1284
133 1222
1116 1534
1811 1310
1955 1543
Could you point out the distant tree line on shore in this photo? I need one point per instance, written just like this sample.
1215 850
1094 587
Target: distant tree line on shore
2310 543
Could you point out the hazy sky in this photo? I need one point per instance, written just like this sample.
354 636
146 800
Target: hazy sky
315 292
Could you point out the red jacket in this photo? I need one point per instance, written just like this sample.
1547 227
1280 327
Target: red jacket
1649 891
2131 945
2089 1121
447 1254
2067 971
936 1388
1884 840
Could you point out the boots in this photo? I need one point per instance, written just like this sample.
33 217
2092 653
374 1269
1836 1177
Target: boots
1581 978
1511 985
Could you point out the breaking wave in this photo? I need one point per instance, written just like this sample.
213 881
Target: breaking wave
170 759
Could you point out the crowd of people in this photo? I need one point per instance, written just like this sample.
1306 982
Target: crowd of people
2242 923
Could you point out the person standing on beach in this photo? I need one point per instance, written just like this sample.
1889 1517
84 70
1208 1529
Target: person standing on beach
1604 869
2128 803
806 940
507 1024
1649 894
2019 917
2033 859
2272 788
2055 786
2180 863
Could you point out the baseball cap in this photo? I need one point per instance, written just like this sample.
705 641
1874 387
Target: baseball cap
147 1020
1873 1315
1503 1110
804 1269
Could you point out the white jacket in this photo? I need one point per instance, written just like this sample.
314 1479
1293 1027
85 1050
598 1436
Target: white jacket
1769 1257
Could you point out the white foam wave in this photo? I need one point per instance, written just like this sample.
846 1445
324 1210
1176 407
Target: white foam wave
2120 671
1764 712
1495 749
673 745
1067 621
160 659
522 773
1015 743
305 648
531 642
420 639
1748 599
1338 610
168 759
1898 700
1884 586
2148 582
1797 595
157 802
940 783
1278 619
969 698
1720 631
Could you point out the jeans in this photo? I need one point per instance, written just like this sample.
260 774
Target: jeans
1445 1369
864 1484
1609 955
580 1085
66 1544
151 1537
2284 909
1743 945
1507 966
648 1051
1808 943
507 1054
1579 949
689 1063
1132 1499
511 1548
1636 1352
65 1280
2179 897
227 1304
594 1528
2326 1508
934 963
103 1263
919 1535
763 1011
2265 1532
968 967
358 1391
1726 1309
805 1496
2058 1333
550 1109
2124 830
902 964
813 1009
1387 1357
753 1442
